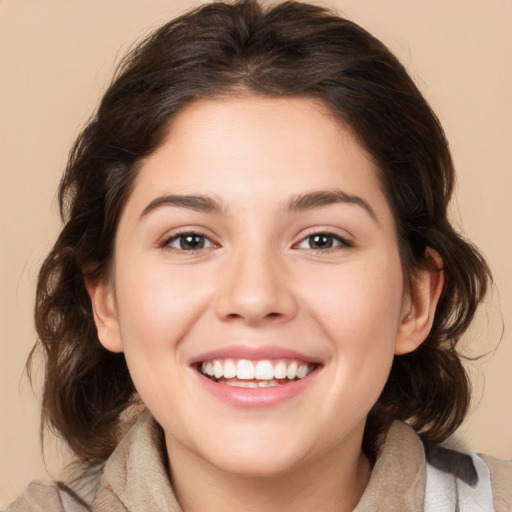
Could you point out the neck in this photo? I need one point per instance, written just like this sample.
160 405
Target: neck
334 483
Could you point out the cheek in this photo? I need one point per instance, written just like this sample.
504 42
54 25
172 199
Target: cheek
367 281
359 306
158 305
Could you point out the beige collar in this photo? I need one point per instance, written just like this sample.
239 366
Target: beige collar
135 476
397 482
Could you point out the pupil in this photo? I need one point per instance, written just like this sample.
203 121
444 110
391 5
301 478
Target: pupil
191 242
321 241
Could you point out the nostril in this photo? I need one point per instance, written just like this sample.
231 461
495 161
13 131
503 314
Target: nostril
255 300
268 315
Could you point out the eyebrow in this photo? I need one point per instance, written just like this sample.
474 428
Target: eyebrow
320 198
297 203
198 203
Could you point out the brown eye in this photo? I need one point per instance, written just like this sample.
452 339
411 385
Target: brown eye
189 242
322 241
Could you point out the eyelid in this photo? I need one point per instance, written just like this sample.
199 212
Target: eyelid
165 240
345 241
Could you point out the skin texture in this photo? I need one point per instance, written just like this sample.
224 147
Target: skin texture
259 282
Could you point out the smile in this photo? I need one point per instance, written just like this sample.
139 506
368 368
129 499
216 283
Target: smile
245 373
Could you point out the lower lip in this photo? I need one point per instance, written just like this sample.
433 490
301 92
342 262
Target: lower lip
256 397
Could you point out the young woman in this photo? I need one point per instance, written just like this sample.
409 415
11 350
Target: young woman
256 297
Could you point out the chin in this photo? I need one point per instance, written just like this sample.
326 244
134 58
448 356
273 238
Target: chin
251 455
261 465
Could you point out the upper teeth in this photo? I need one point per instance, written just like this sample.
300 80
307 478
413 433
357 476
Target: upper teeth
244 369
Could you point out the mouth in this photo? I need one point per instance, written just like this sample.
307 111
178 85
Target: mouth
246 373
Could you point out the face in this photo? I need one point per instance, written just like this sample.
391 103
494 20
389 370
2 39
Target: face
257 290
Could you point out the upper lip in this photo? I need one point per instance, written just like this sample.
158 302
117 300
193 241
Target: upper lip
254 353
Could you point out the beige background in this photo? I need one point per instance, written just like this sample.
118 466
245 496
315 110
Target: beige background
55 59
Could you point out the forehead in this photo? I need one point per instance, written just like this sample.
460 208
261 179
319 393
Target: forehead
257 149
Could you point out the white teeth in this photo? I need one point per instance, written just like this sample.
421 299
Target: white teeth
264 370
209 369
302 371
245 370
242 384
291 372
280 370
218 371
229 369
249 384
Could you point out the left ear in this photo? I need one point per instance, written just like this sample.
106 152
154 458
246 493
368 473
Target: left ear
420 304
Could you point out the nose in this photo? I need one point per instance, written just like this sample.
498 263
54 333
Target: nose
256 289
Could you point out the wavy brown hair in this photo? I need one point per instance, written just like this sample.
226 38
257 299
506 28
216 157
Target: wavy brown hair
289 50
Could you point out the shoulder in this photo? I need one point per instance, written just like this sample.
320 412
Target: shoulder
501 481
469 480
40 497
37 498
411 474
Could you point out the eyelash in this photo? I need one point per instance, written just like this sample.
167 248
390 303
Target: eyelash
334 242
338 242
180 237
